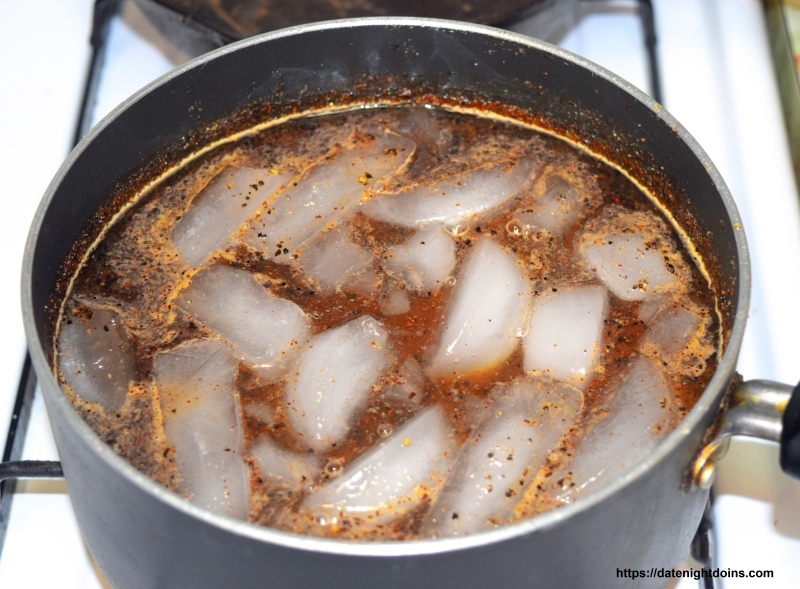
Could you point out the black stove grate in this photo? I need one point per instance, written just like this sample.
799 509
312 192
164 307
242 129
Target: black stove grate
11 467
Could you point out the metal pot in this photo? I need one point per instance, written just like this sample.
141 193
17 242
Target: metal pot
144 536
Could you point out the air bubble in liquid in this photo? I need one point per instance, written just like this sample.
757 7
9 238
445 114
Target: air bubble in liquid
334 467
517 228
385 430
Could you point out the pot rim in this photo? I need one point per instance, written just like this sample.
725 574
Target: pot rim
707 402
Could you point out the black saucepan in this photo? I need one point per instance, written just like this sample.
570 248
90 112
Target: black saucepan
144 536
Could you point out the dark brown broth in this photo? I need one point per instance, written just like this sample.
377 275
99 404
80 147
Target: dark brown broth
135 268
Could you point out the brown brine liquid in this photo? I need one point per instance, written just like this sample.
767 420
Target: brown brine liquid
388 324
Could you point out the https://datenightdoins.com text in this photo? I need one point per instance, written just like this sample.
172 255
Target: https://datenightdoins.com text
695 574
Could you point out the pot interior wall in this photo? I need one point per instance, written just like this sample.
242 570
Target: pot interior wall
178 114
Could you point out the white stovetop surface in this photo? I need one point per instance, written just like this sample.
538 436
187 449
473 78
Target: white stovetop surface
718 81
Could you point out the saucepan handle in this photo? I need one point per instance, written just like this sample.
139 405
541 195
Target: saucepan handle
760 409
790 435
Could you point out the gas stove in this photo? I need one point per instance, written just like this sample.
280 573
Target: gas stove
713 71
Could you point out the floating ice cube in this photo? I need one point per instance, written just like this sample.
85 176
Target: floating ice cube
332 259
325 194
393 477
487 315
96 357
424 261
406 385
261 411
556 209
671 330
220 208
396 302
282 467
565 332
649 307
627 267
332 379
502 457
639 416
195 383
470 194
266 330
420 124
363 283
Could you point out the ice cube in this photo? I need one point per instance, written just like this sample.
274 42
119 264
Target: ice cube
556 209
476 192
95 356
364 283
334 374
503 456
396 302
639 415
267 330
220 208
649 307
406 385
282 467
671 330
393 477
332 260
424 261
260 411
420 124
629 269
566 331
195 383
326 193
486 317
